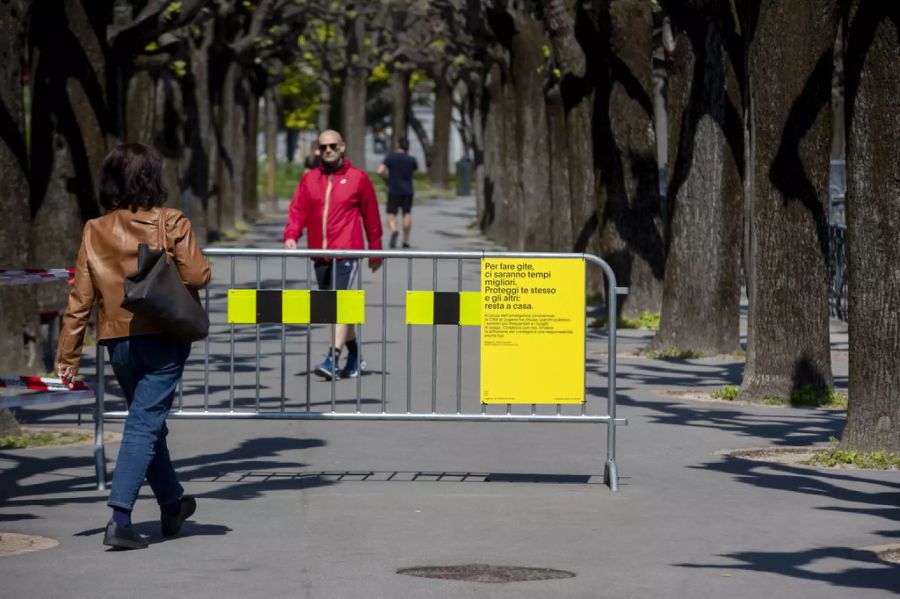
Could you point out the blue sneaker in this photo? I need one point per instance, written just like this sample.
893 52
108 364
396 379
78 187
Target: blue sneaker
351 368
327 368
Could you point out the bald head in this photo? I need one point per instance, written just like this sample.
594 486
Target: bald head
331 147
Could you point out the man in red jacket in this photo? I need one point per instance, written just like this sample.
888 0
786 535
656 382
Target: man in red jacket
335 202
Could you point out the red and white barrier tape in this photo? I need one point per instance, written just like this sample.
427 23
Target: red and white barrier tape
30 399
36 383
26 276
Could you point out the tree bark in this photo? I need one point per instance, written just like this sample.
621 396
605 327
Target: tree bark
628 208
201 138
324 115
71 130
439 171
271 150
250 133
353 115
400 106
230 169
701 295
17 304
790 62
873 219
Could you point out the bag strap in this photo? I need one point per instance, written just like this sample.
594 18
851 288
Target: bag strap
161 229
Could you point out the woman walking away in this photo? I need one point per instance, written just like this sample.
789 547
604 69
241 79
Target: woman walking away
147 363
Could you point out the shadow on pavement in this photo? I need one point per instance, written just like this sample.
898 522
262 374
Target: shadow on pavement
869 573
792 426
64 481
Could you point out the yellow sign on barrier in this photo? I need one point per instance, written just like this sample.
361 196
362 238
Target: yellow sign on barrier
532 331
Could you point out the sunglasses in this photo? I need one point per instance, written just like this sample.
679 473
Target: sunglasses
332 147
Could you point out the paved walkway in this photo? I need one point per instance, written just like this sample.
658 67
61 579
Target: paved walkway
333 509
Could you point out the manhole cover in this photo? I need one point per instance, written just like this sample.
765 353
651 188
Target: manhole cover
486 573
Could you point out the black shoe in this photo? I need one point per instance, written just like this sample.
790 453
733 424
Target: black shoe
406 245
123 537
393 243
170 525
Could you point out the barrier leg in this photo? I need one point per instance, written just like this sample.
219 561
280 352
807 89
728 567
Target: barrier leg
99 448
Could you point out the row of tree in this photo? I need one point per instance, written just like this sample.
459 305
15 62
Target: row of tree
555 101
566 108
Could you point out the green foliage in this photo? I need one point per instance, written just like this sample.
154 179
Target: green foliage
728 392
300 93
645 320
834 456
808 396
151 47
179 67
380 74
42 438
674 353
173 9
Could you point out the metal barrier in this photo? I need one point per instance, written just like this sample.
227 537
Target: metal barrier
221 400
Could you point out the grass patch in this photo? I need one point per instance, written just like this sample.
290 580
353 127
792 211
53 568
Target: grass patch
645 320
818 398
728 392
834 456
42 439
674 353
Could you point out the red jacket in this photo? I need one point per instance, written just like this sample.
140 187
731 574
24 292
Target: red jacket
338 223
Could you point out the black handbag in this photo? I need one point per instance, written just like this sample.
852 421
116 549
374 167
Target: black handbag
157 295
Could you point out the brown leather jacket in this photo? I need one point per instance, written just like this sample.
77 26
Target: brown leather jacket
109 248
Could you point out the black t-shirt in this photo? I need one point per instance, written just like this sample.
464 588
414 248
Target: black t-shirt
400 171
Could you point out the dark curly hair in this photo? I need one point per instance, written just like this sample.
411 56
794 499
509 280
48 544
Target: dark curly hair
131 177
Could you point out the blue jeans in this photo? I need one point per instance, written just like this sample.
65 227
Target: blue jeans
148 368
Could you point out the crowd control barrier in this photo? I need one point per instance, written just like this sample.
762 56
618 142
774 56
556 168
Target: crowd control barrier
270 323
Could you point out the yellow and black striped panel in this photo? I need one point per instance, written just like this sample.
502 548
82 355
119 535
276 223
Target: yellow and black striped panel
443 307
291 306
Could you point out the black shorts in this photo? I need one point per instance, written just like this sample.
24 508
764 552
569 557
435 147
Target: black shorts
399 200
346 273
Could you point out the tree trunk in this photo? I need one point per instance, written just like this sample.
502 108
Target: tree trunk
569 107
400 105
71 129
200 138
140 108
422 135
353 115
271 151
701 296
229 166
17 304
790 58
324 115
873 219
438 172
528 143
250 134
628 207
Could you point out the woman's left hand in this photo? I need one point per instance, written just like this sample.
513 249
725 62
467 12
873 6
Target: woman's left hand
67 374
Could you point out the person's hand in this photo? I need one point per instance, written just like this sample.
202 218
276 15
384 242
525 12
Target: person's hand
374 264
67 374
290 244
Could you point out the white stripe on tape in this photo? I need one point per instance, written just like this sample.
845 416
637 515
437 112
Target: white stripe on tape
30 399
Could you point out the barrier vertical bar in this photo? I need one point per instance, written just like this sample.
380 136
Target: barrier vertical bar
358 344
308 339
333 335
258 286
384 284
283 331
611 472
409 283
459 329
99 410
231 368
434 276
206 358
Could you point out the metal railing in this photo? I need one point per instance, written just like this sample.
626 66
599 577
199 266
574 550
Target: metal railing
225 357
